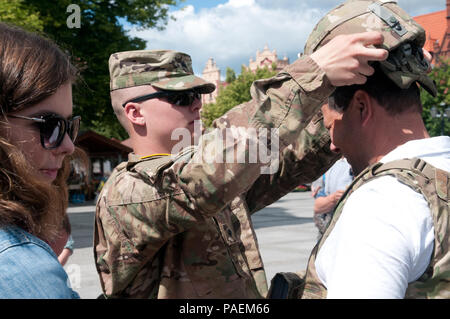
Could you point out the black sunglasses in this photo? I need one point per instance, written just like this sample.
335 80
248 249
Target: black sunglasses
53 128
181 98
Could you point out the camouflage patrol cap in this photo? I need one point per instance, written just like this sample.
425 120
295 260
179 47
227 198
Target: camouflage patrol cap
403 38
163 69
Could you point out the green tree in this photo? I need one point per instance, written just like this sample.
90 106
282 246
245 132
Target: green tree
274 65
14 12
234 94
441 75
101 33
230 75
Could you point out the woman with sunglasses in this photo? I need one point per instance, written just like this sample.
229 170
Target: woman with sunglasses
37 132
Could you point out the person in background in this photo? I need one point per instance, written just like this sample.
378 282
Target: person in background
332 187
67 251
37 132
66 236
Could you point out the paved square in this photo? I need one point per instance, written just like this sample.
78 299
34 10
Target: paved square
285 230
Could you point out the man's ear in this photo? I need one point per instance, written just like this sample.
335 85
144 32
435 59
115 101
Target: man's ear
133 113
364 105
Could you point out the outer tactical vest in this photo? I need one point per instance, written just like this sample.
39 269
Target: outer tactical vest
433 184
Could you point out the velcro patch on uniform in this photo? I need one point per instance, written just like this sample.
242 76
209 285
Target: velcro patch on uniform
442 184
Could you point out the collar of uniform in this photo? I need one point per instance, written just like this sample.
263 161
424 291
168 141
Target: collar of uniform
133 159
155 155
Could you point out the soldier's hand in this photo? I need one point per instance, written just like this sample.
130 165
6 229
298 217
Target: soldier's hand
429 58
345 58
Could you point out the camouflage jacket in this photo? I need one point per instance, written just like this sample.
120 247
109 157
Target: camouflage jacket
433 184
180 227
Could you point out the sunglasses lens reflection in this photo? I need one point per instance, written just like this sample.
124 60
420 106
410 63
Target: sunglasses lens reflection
54 129
51 132
183 98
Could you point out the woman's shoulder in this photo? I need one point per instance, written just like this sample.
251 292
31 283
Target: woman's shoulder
29 268
13 236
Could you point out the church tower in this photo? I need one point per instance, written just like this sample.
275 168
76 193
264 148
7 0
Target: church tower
211 73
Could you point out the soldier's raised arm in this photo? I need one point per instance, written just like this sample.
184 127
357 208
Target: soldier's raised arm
285 103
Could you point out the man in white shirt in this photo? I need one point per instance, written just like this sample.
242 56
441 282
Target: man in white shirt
384 237
382 240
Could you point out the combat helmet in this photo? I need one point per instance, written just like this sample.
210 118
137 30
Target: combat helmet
403 38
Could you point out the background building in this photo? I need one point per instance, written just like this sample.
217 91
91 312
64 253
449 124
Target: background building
211 73
265 58
437 27
93 163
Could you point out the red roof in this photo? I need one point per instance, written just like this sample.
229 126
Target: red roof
435 25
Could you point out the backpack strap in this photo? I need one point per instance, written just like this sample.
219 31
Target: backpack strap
412 164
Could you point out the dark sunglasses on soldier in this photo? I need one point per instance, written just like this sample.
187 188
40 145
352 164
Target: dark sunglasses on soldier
179 98
53 128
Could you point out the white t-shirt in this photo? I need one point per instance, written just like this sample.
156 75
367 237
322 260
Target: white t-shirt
384 237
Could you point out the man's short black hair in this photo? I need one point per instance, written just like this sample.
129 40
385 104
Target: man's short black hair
391 97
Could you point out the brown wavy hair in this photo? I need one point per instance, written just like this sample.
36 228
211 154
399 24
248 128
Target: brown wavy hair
32 68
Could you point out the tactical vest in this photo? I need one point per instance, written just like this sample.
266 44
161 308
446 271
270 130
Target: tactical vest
433 184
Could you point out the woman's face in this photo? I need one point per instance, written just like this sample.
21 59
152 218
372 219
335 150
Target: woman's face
25 134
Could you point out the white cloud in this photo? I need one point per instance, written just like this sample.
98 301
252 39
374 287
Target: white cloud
232 32
240 3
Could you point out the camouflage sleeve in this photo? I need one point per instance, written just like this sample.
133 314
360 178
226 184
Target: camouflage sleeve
224 167
302 162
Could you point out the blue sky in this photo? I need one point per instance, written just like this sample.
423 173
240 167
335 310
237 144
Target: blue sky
202 4
231 31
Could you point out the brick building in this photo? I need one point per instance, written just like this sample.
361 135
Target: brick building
437 27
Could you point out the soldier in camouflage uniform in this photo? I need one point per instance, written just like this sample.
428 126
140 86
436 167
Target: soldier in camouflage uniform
389 235
177 226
